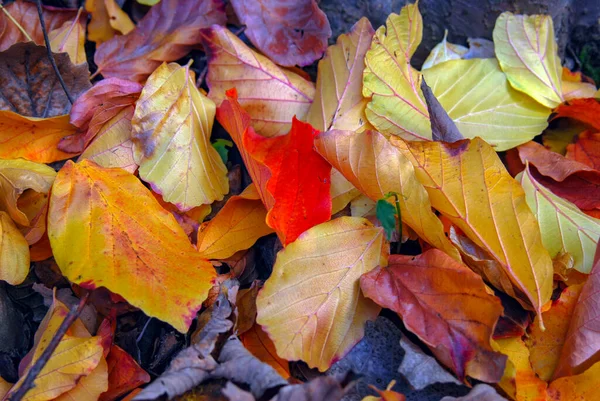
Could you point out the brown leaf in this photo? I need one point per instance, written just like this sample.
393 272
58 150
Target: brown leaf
442 127
288 32
323 388
28 83
168 32
446 305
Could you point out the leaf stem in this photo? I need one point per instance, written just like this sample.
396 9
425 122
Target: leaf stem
14 21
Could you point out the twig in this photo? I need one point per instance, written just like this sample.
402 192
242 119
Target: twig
14 21
43 359
49 50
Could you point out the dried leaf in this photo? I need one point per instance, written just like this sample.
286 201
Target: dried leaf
237 226
420 289
289 33
527 52
420 369
124 374
442 127
563 226
468 184
70 38
101 220
319 389
299 181
363 156
444 51
269 94
481 392
586 149
260 345
171 135
14 252
107 19
582 387
28 83
314 290
166 33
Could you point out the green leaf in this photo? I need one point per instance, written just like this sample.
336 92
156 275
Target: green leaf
386 214
221 146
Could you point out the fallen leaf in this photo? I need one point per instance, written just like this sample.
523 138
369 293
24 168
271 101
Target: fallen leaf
89 387
101 220
584 110
586 149
545 346
342 192
420 369
563 132
581 348
563 226
269 94
527 52
386 395
314 290
35 207
171 136
70 39
4 387
363 206
468 184
519 380
420 289
582 387
363 156
237 226
14 252
260 345
166 33
124 374
299 181
29 86
479 48
289 33
107 19
563 270
444 51
574 88
321 388
481 392
442 127
25 15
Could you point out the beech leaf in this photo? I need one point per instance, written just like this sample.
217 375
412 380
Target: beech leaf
311 306
573 87
70 38
584 110
106 229
172 124
586 149
582 387
443 52
14 252
289 33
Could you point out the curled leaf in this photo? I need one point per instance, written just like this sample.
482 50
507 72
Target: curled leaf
14 252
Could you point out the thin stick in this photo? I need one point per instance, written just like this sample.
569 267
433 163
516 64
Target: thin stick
50 56
14 21
43 359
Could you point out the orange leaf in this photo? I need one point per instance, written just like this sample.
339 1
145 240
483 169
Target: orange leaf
124 374
299 182
35 206
468 183
107 19
270 94
586 110
260 345
446 305
586 149
33 138
582 387
311 306
89 387
106 229
237 226
166 33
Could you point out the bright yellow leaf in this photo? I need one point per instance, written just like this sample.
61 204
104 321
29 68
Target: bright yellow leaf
444 51
106 229
271 95
172 124
563 226
342 191
89 387
582 387
375 167
527 52
311 306
468 184
237 226
33 138
573 87
107 19
70 39
14 252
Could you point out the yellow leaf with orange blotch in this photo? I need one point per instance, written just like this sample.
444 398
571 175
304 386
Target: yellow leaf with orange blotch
468 184
237 226
14 252
171 136
271 95
107 230
107 19
260 345
574 88
545 346
89 387
582 387
70 38
376 168
519 380
527 52
33 138
311 306
17 176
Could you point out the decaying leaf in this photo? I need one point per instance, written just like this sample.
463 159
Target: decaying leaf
104 220
70 38
14 252
268 93
361 157
260 345
442 127
237 226
420 289
311 306
172 125
586 149
28 83
166 33
481 392
527 52
468 184
289 32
